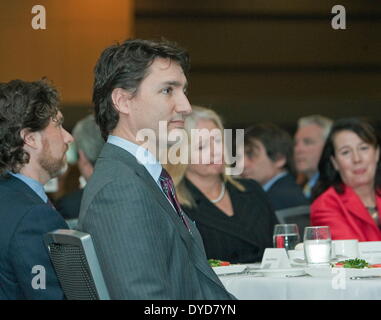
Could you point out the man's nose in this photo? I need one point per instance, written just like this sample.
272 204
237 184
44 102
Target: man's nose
298 147
68 138
182 105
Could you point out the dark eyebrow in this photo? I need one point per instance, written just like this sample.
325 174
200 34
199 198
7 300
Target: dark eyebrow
175 84
343 147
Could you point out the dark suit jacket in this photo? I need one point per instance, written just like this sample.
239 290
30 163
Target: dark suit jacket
70 204
25 218
143 247
346 215
242 237
286 193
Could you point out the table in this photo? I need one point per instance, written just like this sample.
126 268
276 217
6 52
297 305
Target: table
252 287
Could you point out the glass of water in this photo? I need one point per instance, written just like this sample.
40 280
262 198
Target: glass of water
317 245
286 236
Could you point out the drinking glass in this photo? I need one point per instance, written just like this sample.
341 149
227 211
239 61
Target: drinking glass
286 236
317 245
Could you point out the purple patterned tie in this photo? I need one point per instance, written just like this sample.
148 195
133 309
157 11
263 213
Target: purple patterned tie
166 183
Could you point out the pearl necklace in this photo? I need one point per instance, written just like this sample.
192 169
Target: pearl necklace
221 194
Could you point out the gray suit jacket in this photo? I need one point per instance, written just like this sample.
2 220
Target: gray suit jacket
143 247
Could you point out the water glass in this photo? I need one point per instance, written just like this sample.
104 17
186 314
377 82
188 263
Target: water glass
317 245
286 236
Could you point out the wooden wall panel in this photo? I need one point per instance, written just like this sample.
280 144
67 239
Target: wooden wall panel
261 60
66 52
266 43
256 6
284 97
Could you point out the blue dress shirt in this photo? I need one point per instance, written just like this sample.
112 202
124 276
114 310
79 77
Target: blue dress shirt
270 183
36 186
141 154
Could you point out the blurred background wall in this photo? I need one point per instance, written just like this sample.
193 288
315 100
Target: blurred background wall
252 60
67 50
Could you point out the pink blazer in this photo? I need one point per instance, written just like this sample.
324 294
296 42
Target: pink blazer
346 215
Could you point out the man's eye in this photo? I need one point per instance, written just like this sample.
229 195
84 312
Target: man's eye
308 142
166 90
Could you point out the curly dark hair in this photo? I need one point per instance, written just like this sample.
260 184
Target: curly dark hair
23 105
276 141
125 66
328 176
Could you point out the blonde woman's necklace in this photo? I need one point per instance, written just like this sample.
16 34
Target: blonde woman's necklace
219 198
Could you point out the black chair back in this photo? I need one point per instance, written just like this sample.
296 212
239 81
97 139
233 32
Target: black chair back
76 264
299 215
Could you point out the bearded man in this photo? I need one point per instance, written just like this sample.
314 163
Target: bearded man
33 147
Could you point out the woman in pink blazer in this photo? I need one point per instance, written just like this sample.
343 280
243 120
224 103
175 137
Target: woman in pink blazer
348 193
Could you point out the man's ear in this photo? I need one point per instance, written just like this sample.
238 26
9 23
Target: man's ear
121 100
32 139
280 161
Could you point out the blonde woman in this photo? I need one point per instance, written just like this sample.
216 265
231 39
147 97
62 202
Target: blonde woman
234 216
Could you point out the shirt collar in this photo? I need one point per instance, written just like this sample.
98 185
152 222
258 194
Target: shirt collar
142 155
36 186
270 183
313 180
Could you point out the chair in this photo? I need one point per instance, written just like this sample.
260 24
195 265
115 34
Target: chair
299 215
72 223
74 259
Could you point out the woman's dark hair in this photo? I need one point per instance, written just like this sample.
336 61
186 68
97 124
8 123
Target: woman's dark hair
23 105
328 175
277 143
125 66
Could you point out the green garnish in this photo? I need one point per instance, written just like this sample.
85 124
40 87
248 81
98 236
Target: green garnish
355 263
214 262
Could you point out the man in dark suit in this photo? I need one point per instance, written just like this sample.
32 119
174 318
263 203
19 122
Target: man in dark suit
309 141
268 160
147 247
33 144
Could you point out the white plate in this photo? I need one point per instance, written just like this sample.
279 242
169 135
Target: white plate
328 272
280 273
235 268
253 266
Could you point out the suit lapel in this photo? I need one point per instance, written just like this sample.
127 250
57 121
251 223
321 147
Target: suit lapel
198 253
17 184
355 206
163 201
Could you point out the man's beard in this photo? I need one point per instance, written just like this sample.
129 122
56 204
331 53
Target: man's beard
53 166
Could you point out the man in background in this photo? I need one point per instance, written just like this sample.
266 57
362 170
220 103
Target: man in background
87 146
268 159
33 147
309 141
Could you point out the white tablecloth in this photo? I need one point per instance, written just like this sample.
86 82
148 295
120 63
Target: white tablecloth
250 287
